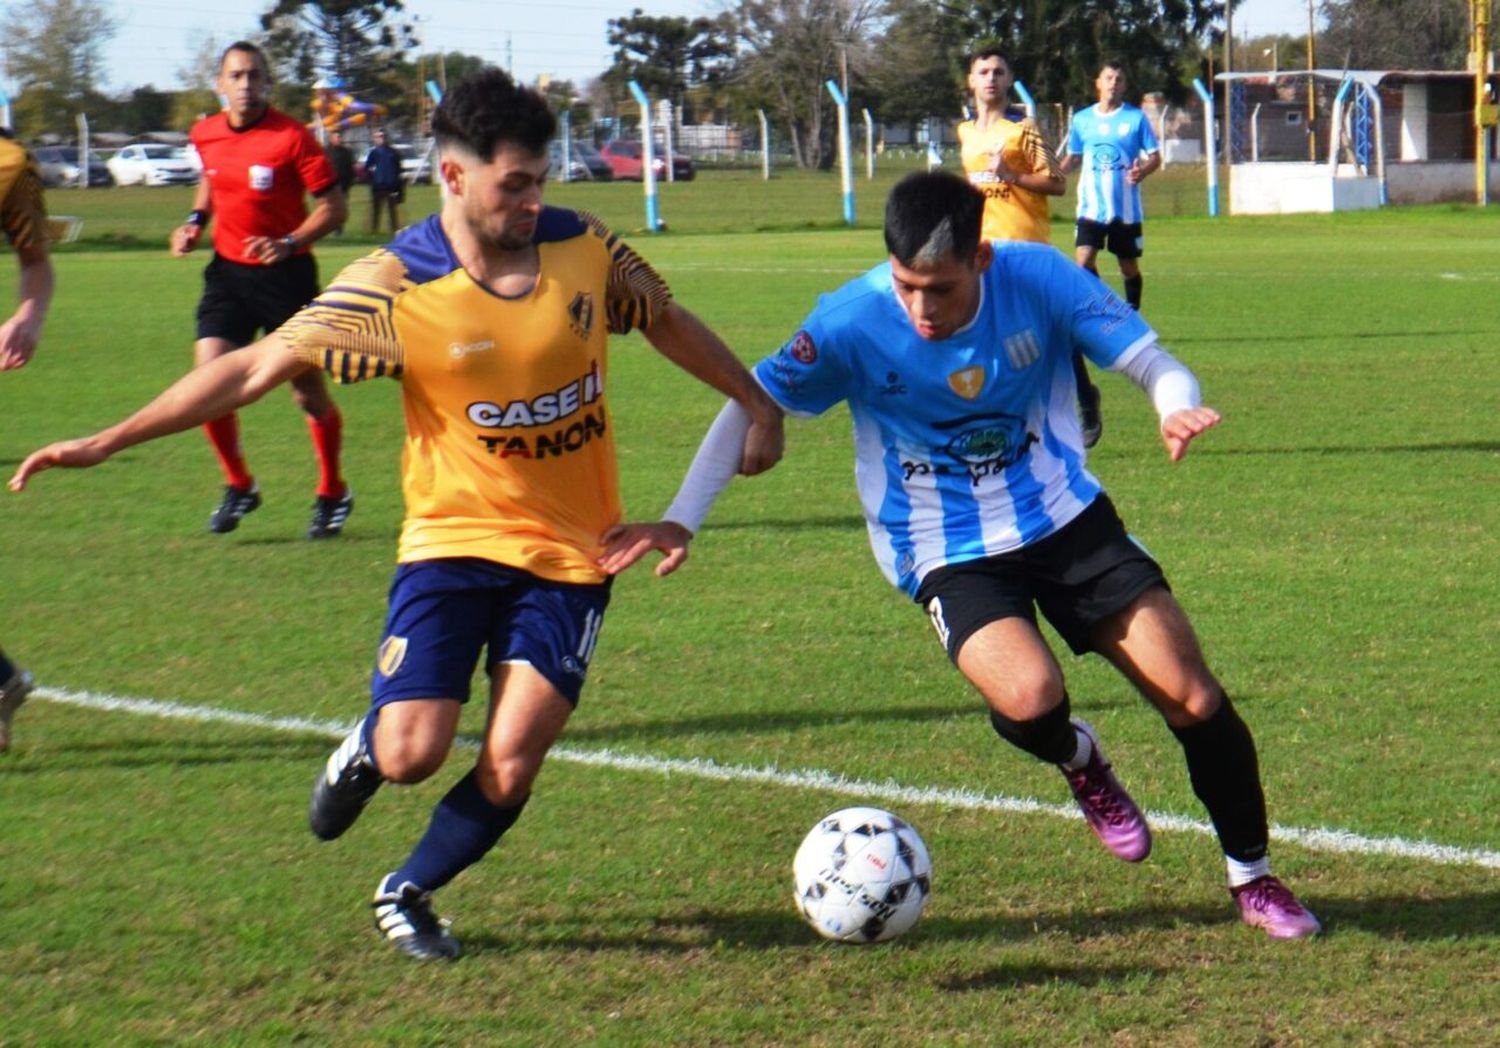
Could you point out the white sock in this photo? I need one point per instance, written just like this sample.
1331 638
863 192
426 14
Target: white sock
1241 873
1084 752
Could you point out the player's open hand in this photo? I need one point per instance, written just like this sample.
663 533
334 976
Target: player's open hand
1180 427
68 454
17 342
624 544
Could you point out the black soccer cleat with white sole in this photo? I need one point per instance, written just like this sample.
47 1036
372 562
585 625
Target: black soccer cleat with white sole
404 916
343 788
329 514
233 507
12 693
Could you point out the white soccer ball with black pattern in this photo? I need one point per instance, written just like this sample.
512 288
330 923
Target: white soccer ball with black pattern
863 875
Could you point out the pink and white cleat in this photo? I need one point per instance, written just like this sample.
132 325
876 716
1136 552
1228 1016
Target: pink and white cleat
1268 904
1110 812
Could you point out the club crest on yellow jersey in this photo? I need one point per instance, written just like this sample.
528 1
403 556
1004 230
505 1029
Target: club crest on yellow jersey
581 313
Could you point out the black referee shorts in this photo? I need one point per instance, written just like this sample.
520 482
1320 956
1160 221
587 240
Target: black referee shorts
1078 576
239 299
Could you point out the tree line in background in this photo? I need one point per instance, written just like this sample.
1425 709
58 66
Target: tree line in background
901 59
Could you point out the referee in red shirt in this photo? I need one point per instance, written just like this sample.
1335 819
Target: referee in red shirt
258 165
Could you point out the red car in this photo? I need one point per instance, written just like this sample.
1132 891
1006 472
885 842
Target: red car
625 161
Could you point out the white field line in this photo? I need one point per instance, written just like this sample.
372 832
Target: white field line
1318 839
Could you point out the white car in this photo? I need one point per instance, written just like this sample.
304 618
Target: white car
148 164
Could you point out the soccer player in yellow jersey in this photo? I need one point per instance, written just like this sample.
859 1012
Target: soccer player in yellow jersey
23 216
494 316
1013 166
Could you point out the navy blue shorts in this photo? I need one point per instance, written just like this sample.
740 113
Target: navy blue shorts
442 613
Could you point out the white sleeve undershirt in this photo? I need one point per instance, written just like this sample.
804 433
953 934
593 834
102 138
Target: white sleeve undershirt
1169 383
714 466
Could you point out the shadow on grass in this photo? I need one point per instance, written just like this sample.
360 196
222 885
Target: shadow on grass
1481 446
702 929
765 721
1411 917
46 757
849 522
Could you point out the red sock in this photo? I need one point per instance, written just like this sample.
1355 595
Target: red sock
224 434
328 439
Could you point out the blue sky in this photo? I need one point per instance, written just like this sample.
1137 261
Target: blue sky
561 38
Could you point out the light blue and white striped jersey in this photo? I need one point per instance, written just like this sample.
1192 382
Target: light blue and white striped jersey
1108 144
970 446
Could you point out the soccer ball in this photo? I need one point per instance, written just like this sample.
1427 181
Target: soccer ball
862 875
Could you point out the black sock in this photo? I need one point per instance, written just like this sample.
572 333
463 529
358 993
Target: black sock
1226 777
1081 376
1050 737
7 668
1133 292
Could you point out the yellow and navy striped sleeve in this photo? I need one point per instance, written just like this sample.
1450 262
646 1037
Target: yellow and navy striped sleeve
1042 156
636 293
347 330
23 214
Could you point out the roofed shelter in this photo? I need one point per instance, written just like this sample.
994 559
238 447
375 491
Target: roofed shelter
1375 137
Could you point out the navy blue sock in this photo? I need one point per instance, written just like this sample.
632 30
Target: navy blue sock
464 827
367 736
7 668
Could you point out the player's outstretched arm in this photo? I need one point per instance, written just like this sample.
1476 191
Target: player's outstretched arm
624 544
205 393
685 340
1180 427
19 335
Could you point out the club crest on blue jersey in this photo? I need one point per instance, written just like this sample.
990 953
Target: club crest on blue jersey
967 382
392 655
802 349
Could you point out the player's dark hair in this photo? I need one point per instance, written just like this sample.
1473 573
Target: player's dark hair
482 111
931 215
249 49
989 51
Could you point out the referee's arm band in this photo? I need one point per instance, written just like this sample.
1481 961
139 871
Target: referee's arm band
197 218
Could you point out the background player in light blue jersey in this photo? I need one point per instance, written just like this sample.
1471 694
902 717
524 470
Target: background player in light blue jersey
1113 143
955 360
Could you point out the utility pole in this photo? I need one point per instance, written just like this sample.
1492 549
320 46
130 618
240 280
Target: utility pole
1312 105
1228 85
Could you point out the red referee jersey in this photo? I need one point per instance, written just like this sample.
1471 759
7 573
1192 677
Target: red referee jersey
258 178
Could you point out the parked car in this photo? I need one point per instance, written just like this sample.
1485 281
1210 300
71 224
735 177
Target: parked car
416 168
586 164
625 160
59 167
148 164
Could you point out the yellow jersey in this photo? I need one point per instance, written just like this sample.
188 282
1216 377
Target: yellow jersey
23 215
509 452
1010 212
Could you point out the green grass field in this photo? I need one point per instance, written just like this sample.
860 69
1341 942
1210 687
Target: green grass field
1335 541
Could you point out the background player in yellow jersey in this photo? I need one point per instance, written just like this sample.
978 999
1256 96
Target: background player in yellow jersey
1010 162
494 316
23 216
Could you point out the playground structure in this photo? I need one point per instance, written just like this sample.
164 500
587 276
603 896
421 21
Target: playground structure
336 109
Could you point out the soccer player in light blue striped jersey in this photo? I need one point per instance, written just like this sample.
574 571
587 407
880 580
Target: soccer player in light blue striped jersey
954 358
1113 143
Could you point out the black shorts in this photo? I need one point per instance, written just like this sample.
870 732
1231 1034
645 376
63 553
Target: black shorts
1122 239
238 299
1078 576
